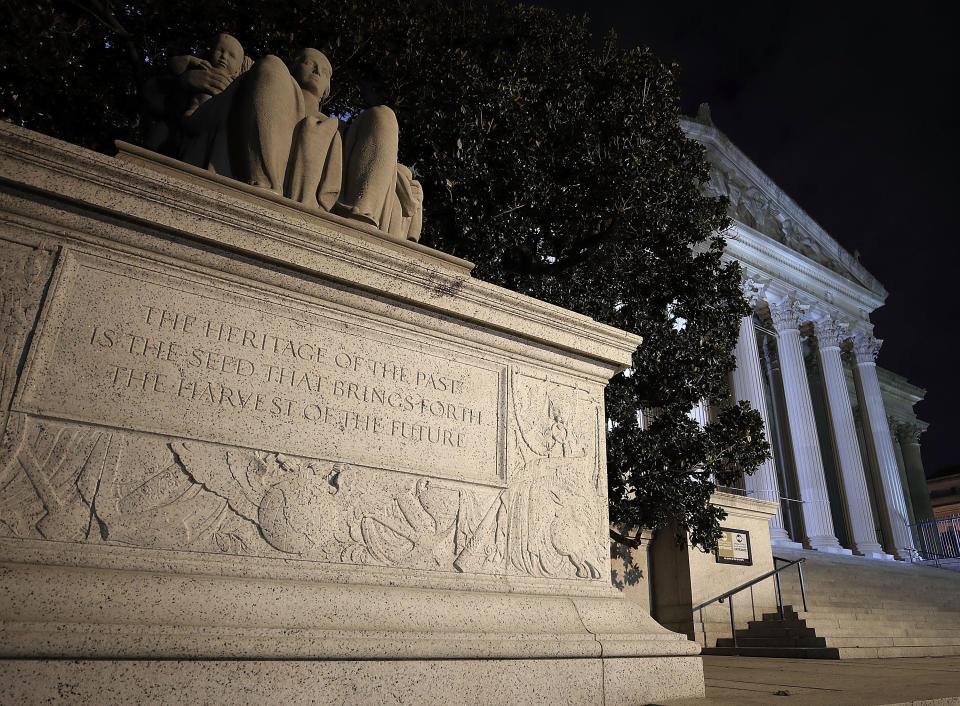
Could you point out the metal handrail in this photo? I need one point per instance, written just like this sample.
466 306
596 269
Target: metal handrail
937 538
775 572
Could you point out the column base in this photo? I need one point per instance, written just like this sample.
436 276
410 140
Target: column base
835 550
905 553
878 555
786 543
828 544
868 549
777 534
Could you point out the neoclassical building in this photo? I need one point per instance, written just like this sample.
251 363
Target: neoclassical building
846 467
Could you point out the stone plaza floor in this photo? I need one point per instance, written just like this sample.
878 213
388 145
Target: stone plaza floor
755 680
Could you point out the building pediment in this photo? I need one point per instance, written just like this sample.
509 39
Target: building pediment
758 203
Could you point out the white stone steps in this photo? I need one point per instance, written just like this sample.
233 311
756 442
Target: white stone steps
878 652
892 641
874 630
867 608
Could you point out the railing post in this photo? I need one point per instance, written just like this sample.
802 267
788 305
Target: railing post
803 591
779 595
703 629
733 625
943 550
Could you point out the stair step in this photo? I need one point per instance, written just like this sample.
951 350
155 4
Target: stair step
878 652
894 641
781 652
774 641
769 629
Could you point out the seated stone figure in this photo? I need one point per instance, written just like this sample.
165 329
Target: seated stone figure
171 100
264 127
279 139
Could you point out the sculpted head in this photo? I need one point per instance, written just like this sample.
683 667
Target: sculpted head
312 70
226 55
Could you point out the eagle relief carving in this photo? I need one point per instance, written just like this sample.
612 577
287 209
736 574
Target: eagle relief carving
78 483
334 511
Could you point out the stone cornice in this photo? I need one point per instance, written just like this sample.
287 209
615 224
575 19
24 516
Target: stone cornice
735 160
745 505
765 259
898 386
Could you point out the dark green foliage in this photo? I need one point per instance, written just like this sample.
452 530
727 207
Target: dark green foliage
558 167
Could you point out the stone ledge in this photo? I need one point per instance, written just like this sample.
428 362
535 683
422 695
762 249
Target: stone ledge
146 188
60 612
745 505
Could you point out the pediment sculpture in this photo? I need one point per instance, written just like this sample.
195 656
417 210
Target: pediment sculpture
261 123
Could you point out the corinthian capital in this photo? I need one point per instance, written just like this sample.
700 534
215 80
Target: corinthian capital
908 432
753 290
830 333
866 347
787 316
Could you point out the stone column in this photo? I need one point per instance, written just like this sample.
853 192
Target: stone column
901 467
700 413
817 521
877 433
829 334
909 436
748 385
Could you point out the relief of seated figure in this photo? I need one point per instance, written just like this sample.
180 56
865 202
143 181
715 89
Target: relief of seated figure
263 126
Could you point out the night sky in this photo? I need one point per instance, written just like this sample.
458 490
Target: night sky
852 110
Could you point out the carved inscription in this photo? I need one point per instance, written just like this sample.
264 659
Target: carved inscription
127 347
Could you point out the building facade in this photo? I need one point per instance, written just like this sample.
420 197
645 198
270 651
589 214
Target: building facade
846 467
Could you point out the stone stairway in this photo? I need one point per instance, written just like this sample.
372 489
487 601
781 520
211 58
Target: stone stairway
858 608
789 637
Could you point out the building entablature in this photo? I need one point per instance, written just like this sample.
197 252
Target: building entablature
788 274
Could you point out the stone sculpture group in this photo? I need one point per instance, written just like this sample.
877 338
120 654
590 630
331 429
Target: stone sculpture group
260 123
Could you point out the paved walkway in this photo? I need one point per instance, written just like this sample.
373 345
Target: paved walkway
732 681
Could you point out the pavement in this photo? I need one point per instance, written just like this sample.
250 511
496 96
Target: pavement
740 681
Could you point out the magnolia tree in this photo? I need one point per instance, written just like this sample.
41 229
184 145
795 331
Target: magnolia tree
553 161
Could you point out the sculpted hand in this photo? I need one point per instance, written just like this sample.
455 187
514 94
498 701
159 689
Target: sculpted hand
204 81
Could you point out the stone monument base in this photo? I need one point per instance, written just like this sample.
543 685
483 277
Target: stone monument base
251 453
507 681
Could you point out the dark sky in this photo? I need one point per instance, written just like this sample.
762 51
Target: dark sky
853 111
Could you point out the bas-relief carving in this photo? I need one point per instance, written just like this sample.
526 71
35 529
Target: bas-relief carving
514 487
23 273
260 122
73 482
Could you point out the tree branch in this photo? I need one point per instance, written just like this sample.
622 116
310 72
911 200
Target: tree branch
632 542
